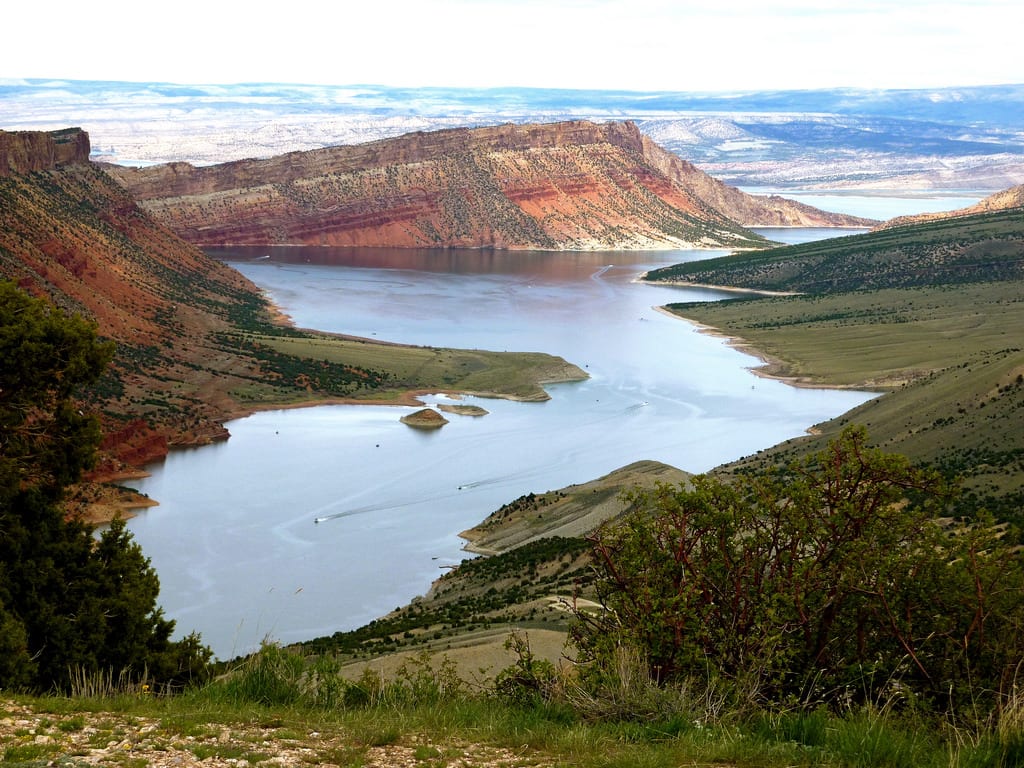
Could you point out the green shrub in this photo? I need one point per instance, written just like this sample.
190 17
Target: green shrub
830 581
530 680
67 600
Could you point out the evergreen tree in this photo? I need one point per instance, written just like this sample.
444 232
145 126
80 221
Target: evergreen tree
67 600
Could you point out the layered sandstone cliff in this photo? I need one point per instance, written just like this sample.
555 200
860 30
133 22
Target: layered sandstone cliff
571 185
1000 201
28 151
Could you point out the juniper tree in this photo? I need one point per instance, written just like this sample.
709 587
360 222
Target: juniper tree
67 599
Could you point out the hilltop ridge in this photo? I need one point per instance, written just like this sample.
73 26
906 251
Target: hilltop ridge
573 185
1006 199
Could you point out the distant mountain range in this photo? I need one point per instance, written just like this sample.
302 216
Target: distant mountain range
942 138
572 185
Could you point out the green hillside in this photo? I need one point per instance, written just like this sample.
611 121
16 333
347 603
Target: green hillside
982 248
930 314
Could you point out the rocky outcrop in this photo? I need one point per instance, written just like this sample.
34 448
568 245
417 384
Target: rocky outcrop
425 418
572 185
27 151
1000 201
463 410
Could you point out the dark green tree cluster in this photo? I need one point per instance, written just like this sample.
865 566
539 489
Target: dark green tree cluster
70 603
831 579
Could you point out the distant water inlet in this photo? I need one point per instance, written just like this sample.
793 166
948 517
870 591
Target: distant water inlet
311 521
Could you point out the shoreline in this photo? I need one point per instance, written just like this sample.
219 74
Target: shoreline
130 502
405 398
641 278
771 367
120 502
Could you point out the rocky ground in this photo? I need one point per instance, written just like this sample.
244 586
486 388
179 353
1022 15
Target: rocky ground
31 736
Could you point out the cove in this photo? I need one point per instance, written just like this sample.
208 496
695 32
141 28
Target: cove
235 540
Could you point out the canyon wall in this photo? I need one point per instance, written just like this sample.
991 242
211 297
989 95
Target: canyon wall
69 233
27 151
562 186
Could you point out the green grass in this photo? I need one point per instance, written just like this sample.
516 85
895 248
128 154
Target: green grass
436 720
931 314
949 359
447 732
509 374
872 339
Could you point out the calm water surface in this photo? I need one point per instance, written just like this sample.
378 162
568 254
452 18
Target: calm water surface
234 540
880 204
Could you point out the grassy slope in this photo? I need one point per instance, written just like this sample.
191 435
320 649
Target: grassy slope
518 375
872 339
980 248
940 328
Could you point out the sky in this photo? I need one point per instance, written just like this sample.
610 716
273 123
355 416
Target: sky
636 45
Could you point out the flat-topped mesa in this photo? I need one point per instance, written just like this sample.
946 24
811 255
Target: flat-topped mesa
181 179
23 152
562 186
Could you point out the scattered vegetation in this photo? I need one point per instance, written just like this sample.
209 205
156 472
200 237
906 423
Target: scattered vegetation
835 580
320 363
508 590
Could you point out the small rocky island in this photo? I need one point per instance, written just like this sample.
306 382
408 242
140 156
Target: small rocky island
426 418
464 410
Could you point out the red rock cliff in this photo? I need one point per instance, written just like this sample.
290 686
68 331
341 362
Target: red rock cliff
27 151
569 185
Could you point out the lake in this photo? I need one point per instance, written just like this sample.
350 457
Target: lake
235 540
